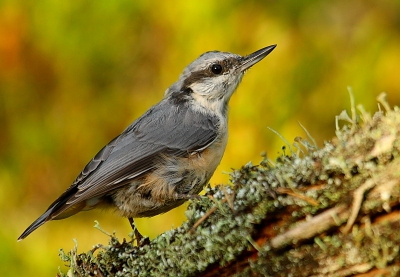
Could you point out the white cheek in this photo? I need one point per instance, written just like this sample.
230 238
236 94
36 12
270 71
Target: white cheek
211 87
204 88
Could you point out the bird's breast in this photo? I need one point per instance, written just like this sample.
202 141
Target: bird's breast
175 177
208 159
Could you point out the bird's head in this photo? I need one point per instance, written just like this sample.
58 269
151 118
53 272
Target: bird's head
211 79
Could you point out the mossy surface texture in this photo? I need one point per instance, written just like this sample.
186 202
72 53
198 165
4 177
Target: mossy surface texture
327 211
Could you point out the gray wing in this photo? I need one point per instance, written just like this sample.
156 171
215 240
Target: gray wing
165 128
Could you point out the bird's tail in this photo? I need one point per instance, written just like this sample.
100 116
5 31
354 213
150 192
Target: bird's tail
36 224
59 209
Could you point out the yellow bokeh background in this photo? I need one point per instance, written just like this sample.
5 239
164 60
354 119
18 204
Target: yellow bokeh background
74 74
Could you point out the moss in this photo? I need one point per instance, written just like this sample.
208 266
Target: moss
274 198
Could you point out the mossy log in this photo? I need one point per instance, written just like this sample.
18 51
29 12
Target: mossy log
332 211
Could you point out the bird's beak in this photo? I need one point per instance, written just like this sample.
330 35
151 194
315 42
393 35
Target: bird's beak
248 61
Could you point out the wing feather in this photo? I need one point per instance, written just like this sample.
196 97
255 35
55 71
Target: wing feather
165 128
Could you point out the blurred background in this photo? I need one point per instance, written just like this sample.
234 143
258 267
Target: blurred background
74 74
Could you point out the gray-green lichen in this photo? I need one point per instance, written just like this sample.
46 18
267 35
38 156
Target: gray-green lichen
253 227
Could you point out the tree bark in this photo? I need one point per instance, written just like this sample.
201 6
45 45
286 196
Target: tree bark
317 212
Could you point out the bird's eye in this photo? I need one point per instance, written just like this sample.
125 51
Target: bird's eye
216 69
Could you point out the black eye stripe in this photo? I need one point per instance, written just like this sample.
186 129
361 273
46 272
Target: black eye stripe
207 72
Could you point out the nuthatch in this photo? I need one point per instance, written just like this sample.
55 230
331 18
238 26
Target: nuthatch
167 155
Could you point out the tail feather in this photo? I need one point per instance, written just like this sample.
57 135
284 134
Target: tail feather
54 212
36 224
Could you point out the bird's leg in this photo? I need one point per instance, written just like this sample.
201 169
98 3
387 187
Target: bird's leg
138 235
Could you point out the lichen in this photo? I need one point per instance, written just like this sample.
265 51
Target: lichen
236 223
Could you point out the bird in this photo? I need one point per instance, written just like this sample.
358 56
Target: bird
167 155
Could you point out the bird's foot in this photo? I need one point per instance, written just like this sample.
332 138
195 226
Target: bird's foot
140 239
